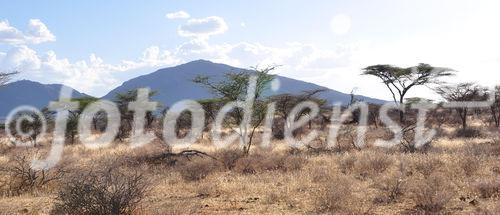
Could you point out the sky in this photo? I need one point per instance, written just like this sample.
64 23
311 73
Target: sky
94 46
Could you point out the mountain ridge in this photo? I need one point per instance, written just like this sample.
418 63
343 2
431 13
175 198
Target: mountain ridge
172 84
32 93
181 76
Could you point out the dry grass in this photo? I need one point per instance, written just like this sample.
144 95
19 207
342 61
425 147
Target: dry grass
432 194
456 176
487 188
197 169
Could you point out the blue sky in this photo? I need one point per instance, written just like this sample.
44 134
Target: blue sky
94 46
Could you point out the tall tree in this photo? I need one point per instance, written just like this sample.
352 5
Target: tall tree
400 80
463 92
234 87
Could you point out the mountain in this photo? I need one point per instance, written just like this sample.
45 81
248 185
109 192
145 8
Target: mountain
31 93
175 83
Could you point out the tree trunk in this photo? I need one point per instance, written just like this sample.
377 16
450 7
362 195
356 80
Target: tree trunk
401 116
401 110
463 115
496 117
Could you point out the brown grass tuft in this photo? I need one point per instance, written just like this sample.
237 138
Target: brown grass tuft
487 188
197 169
432 194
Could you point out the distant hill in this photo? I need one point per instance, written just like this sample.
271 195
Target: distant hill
175 83
172 84
30 93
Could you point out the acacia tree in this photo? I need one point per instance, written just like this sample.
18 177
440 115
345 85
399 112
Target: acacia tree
286 102
74 116
122 100
5 77
211 107
33 127
234 87
463 92
400 80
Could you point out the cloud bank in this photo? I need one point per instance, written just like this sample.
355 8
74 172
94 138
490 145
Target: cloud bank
37 32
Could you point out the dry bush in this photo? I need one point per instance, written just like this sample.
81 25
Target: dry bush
487 188
496 169
197 169
320 174
107 191
270 162
391 187
254 163
153 154
247 165
229 157
468 133
294 163
21 178
337 197
469 164
205 190
346 138
428 164
346 164
491 148
431 194
372 163
272 198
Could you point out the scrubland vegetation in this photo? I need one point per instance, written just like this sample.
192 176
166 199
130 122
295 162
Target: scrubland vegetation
457 172
453 175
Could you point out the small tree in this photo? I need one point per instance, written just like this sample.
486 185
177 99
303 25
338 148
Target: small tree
495 107
399 80
122 100
211 107
233 88
286 102
374 114
74 116
439 116
33 126
463 92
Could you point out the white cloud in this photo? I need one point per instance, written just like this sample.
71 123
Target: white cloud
297 60
9 34
20 58
203 28
178 15
92 76
36 33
